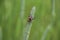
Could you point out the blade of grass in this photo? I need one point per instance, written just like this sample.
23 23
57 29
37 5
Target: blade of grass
46 32
22 11
0 33
29 25
52 22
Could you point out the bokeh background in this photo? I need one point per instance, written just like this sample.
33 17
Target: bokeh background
12 25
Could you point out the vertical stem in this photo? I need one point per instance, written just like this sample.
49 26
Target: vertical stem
27 31
29 25
52 22
0 33
53 7
22 17
22 9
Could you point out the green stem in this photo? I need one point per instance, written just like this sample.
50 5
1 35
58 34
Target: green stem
29 25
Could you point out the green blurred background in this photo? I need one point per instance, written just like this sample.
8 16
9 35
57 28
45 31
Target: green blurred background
12 27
